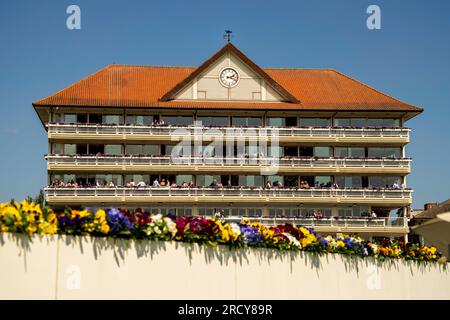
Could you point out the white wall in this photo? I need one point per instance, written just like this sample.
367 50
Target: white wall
81 267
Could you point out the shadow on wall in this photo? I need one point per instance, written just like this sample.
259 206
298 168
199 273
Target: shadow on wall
226 256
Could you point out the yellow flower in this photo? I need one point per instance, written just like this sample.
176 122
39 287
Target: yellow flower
245 221
304 231
104 228
48 228
12 211
100 215
4 229
31 228
340 244
51 217
268 234
225 235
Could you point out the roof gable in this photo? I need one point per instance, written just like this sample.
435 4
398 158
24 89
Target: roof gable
254 84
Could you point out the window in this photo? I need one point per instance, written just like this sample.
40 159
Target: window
291 121
139 119
306 151
106 178
81 148
95 118
146 149
96 149
349 181
58 117
70 118
213 121
345 212
384 152
383 181
275 151
181 178
306 181
350 122
322 152
111 119
70 149
314 122
344 152
290 151
276 122
273 179
384 122
178 120
113 149
82 118
137 178
250 181
246 121
58 148
206 180
178 151
323 181
291 181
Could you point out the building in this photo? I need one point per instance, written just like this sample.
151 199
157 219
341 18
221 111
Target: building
430 211
312 145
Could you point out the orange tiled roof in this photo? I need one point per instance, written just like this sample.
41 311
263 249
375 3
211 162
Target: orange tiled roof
143 86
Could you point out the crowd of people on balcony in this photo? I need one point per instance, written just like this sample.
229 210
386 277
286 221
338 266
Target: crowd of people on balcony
214 184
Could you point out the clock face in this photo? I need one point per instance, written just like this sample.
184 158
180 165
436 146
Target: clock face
229 77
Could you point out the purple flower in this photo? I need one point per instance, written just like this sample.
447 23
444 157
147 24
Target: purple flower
118 221
251 235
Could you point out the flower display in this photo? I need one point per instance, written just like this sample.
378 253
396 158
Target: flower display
29 218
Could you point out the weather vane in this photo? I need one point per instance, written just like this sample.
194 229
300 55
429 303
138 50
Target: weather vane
228 35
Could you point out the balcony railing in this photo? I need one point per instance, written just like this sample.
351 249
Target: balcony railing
341 222
307 162
323 193
336 132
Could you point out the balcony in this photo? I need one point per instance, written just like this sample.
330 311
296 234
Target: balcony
83 132
146 195
376 226
167 164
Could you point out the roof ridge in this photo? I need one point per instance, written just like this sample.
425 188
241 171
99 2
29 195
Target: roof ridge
376 90
316 69
147 66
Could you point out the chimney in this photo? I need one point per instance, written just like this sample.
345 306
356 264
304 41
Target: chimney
429 205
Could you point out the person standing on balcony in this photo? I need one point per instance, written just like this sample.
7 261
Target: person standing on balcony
156 184
374 215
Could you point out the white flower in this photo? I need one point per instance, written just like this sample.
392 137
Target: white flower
157 230
171 226
235 228
292 240
157 218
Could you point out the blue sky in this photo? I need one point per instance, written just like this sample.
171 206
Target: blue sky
408 58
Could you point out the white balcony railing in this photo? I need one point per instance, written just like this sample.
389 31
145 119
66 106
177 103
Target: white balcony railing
343 222
229 131
306 162
324 193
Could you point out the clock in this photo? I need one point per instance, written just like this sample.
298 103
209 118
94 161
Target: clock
229 77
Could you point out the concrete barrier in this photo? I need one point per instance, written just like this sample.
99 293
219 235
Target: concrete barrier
66 267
